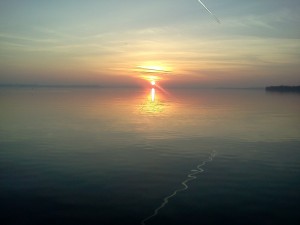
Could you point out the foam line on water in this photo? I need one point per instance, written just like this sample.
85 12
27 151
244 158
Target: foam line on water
191 176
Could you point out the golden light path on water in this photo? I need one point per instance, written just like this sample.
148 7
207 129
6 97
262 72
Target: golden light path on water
153 94
152 105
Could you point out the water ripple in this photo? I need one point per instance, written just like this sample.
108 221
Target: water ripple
191 176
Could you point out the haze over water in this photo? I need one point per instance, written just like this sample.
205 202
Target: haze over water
110 156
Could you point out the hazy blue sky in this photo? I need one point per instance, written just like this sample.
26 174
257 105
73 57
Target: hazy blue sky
124 42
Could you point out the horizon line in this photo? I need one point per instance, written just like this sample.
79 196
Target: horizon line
9 85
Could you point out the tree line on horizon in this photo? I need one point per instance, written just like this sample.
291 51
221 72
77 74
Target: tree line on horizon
283 88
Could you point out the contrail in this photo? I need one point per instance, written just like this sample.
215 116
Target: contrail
216 18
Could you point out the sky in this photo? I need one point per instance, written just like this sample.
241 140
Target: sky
127 43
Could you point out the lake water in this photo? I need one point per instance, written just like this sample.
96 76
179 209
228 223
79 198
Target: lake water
132 156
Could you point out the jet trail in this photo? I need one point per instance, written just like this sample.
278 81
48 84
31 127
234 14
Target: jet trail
216 18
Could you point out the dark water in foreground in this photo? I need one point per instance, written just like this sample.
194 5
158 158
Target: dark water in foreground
111 156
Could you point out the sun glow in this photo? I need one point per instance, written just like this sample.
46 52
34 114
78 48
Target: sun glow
153 68
153 71
152 79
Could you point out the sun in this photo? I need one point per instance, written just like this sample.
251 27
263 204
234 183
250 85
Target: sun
153 82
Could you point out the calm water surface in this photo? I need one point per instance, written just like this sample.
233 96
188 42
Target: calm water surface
111 156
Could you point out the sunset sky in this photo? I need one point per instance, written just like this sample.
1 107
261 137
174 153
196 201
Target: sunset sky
176 42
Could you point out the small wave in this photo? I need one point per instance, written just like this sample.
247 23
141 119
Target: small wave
191 176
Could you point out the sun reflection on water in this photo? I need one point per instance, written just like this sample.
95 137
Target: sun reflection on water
153 94
153 104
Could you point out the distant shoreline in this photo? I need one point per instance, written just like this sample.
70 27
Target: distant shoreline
283 88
